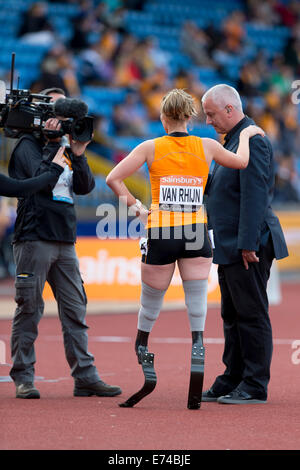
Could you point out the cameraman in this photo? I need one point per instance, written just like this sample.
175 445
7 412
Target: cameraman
44 238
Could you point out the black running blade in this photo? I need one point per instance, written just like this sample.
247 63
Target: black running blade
197 375
147 362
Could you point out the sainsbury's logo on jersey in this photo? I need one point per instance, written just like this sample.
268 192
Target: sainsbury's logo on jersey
181 180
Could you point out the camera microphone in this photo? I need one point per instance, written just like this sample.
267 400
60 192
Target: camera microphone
80 126
70 108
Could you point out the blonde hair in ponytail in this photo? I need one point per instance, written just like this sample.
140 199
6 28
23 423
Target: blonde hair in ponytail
178 105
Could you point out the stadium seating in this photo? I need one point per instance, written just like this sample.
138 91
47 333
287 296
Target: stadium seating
159 19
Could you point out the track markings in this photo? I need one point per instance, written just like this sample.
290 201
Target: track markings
2 352
128 339
162 340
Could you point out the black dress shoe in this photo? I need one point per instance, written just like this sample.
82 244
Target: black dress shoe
27 390
239 397
100 389
209 395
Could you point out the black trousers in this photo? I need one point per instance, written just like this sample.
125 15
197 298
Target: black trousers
247 327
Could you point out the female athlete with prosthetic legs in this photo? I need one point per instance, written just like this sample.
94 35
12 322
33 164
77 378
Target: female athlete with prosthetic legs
178 165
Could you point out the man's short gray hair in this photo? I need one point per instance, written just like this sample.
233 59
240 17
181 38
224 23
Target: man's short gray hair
223 95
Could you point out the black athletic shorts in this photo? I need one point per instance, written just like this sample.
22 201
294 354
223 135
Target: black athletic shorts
166 245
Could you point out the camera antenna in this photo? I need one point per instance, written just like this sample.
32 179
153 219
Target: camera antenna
12 71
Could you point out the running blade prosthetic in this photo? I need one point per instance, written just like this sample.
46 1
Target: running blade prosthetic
146 360
197 374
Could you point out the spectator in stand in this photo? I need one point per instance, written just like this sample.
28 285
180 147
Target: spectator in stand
111 19
129 118
108 44
93 68
35 27
287 182
234 32
144 59
133 4
50 76
158 56
67 68
262 12
103 144
268 118
281 78
127 71
153 89
185 79
215 37
289 127
35 20
249 81
58 71
84 23
195 43
80 36
288 13
292 54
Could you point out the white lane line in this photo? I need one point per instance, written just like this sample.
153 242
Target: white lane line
163 340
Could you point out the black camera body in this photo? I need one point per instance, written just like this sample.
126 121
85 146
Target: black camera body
24 112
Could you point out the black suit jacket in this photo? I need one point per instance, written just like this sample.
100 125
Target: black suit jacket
239 202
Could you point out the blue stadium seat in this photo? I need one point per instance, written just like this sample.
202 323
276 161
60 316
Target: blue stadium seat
133 17
96 107
65 9
155 129
128 143
270 39
105 94
202 130
177 61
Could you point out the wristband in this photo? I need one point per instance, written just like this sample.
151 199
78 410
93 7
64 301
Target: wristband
137 206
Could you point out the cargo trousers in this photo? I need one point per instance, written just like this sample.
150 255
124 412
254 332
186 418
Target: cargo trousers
55 262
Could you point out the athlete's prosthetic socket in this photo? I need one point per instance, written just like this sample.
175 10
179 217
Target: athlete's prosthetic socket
151 303
195 292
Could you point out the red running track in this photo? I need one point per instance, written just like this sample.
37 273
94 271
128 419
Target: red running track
59 421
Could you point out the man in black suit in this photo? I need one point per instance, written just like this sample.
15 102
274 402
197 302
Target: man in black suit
247 237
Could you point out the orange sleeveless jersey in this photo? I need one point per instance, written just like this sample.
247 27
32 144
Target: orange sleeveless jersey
178 177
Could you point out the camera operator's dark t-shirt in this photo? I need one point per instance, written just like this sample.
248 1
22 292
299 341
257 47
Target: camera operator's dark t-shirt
40 217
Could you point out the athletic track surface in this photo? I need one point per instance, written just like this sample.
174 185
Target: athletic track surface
59 421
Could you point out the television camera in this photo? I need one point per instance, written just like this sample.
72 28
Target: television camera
24 112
